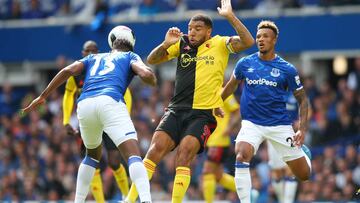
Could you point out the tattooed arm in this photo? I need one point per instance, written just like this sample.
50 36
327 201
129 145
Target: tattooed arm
303 102
159 54
244 39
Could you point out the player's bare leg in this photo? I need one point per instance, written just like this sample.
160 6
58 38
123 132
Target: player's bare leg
161 145
300 168
118 171
213 168
244 153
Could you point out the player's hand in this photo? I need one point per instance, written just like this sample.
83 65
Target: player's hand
219 112
299 138
172 36
35 103
70 130
225 9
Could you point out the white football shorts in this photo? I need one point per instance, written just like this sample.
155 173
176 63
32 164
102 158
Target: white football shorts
103 113
280 137
275 162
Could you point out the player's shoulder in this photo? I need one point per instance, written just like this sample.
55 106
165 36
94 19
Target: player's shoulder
285 64
253 56
133 55
99 54
120 55
249 58
96 56
219 39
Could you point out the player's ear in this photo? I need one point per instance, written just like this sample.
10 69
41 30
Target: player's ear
275 39
209 32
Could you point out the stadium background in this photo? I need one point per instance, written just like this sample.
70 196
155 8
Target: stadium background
38 160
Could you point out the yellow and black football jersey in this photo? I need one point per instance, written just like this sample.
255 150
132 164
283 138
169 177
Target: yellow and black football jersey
199 73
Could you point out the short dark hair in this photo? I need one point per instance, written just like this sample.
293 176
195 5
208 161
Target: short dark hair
204 18
122 45
90 43
269 25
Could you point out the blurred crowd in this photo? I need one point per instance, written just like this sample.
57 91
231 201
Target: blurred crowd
39 160
36 9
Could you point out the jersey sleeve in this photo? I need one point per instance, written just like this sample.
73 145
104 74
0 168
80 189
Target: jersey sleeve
231 104
223 43
293 79
173 51
239 67
68 99
134 58
229 47
86 60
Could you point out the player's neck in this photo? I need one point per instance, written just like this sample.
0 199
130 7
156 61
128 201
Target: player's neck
268 56
118 50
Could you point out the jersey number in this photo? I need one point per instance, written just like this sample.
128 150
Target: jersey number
108 66
290 141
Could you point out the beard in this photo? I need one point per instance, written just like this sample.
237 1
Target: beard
198 42
263 51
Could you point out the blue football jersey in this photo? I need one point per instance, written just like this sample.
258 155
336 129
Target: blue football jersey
267 84
108 74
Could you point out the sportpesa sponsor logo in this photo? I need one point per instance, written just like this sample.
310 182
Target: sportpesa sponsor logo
186 59
261 81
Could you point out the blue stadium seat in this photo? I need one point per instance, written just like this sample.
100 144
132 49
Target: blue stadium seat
5 7
116 6
309 2
201 4
166 5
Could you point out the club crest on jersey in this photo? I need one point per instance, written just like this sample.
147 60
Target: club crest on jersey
275 72
187 48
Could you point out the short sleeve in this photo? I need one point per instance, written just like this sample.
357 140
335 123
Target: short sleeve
293 79
229 46
238 70
173 51
134 58
222 41
86 60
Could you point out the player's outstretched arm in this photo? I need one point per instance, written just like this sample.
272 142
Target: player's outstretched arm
303 102
70 70
244 39
159 54
68 99
145 73
229 88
